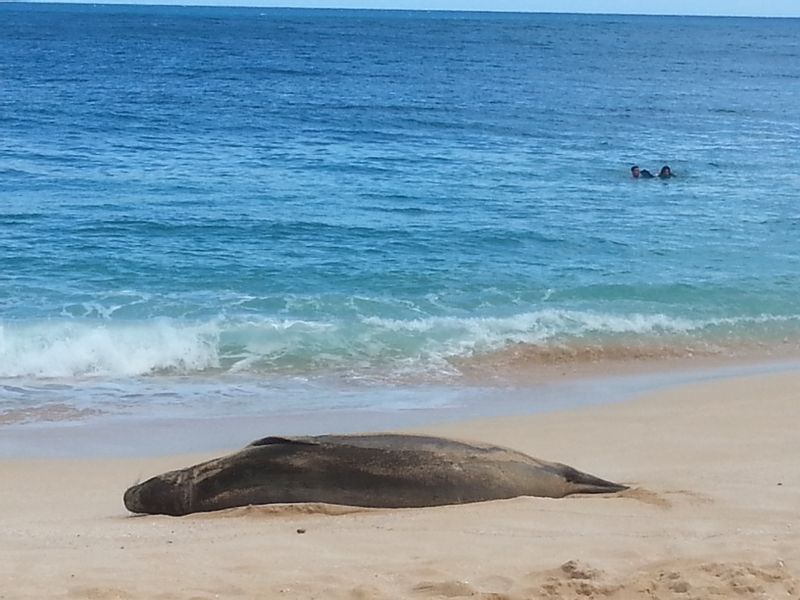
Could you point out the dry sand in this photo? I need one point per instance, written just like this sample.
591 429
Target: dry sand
714 513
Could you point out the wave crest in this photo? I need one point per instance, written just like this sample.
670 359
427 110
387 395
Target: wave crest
74 348
356 346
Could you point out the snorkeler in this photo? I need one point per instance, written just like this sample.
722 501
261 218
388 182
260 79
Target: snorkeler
638 173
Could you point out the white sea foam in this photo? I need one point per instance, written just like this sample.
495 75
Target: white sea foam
107 348
75 348
539 326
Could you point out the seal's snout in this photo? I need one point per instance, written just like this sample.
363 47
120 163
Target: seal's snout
156 496
131 499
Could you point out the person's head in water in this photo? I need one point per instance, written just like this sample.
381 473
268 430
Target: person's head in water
665 172
635 173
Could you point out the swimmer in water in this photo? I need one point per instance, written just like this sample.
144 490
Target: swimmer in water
638 173
665 172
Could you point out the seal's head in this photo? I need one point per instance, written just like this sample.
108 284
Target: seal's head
167 494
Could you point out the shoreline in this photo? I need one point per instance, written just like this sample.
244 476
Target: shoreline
73 433
712 514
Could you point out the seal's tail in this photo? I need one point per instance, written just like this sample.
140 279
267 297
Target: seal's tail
589 484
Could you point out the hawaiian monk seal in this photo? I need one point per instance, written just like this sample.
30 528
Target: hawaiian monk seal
380 471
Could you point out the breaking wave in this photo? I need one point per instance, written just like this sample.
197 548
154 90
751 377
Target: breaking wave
64 348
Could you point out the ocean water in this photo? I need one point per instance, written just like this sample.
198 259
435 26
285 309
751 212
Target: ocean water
217 211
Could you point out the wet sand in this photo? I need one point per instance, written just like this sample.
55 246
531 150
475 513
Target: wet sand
713 513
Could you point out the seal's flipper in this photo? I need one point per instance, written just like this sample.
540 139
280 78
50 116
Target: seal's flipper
589 484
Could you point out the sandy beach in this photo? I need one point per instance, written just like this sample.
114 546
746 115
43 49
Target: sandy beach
713 513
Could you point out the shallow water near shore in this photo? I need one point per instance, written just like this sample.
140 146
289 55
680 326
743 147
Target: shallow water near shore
247 212
210 424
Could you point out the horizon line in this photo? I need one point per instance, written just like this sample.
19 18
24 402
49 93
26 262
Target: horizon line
211 4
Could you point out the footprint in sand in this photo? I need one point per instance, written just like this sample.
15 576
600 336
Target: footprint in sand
446 589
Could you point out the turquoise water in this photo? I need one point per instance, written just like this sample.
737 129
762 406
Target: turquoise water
237 210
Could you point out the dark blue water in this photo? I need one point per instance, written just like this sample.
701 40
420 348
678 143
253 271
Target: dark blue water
271 198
